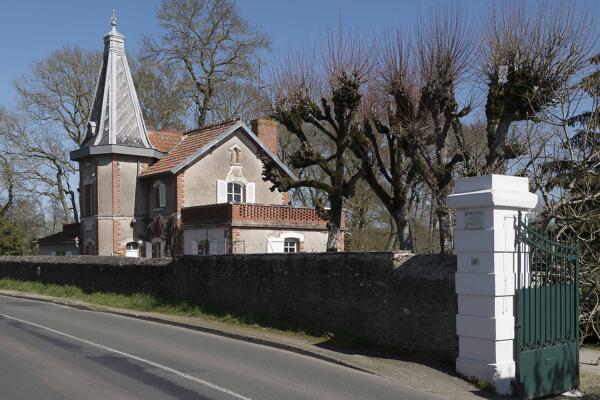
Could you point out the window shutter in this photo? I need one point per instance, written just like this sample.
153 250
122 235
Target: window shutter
274 245
162 195
221 191
250 192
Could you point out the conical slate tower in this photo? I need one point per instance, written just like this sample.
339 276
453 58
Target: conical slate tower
116 117
114 153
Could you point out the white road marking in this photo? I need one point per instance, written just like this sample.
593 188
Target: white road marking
133 357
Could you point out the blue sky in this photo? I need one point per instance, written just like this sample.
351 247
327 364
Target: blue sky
31 29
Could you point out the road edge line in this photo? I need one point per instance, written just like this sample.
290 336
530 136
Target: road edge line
213 331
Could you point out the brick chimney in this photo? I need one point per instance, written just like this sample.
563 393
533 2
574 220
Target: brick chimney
266 130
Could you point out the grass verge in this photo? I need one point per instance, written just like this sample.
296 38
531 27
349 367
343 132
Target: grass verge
590 383
146 303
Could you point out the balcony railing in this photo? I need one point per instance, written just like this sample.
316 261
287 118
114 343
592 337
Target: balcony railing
251 213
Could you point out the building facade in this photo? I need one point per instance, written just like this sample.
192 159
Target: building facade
154 194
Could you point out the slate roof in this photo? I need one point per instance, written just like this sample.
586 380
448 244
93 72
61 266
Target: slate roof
164 141
68 234
190 142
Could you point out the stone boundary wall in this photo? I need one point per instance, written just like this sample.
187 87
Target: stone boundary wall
398 302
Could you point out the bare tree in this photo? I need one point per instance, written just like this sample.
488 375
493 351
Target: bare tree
58 91
382 144
46 166
162 92
322 105
8 181
526 59
241 100
211 42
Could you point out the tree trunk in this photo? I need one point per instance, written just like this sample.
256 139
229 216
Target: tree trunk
9 200
62 198
431 226
402 237
73 205
334 224
392 235
496 160
445 227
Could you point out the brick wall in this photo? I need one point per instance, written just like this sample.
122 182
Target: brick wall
405 304
266 130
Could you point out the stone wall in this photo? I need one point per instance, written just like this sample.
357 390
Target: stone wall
403 303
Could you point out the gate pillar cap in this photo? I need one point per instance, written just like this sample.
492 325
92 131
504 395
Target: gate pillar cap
496 191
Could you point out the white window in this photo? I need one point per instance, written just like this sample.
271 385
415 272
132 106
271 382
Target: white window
286 242
160 195
290 245
132 249
234 192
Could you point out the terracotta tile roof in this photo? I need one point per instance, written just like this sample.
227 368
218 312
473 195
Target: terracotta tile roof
164 141
190 143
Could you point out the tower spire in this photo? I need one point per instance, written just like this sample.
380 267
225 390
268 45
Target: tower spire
116 117
113 21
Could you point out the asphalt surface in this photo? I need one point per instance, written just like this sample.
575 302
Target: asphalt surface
49 351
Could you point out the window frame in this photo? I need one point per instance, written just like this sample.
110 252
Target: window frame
291 241
160 195
231 195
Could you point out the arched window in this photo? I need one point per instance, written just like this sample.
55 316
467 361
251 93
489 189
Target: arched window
159 194
132 249
234 192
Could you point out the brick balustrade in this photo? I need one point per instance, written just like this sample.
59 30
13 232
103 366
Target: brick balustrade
252 213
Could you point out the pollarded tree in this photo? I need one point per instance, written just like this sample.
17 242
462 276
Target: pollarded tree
527 59
322 105
381 145
424 119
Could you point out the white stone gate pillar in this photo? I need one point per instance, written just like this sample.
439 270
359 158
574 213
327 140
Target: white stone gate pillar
486 208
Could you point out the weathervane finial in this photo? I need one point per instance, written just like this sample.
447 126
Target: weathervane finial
113 19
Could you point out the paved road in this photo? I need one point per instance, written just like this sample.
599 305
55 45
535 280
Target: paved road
51 352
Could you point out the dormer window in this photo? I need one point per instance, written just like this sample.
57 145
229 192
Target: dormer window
234 192
160 195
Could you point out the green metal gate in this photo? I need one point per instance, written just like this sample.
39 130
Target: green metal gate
547 310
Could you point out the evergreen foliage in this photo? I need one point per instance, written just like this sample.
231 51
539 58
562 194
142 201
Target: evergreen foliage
12 239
